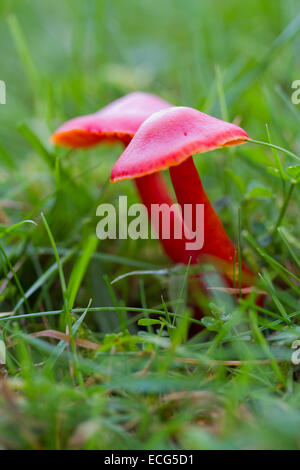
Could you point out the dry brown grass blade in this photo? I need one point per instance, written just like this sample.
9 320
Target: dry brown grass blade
244 290
9 276
4 219
197 395
6 314
84 343
233 363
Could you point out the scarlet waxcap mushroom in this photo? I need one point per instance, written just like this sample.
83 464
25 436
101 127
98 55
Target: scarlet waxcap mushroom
118 121
167 140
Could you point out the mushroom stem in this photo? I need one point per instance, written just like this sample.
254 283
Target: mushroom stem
153 190
189 190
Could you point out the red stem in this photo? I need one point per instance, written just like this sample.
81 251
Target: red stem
153 190
189 190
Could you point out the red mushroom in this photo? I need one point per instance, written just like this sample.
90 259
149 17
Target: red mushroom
167 140
119 121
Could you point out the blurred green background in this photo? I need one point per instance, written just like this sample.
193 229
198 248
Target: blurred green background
234 60
85 54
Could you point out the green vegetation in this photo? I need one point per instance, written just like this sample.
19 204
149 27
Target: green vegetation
132 377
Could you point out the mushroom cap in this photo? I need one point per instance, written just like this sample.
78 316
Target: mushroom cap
169 137
118 121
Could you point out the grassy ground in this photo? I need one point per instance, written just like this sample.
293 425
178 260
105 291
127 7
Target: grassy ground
146 385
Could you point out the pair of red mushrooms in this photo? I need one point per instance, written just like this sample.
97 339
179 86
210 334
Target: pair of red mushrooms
158 136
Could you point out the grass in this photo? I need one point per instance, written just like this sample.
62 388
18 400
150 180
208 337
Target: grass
132 377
